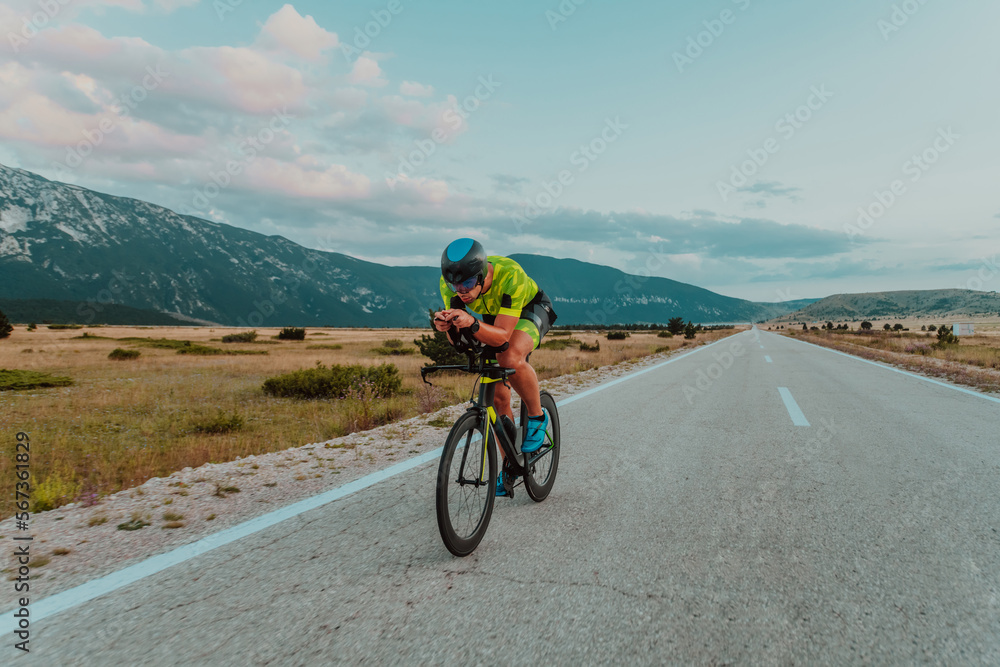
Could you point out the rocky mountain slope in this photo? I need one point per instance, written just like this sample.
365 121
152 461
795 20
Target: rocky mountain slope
67 243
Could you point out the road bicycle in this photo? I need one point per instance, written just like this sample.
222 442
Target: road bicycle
466 481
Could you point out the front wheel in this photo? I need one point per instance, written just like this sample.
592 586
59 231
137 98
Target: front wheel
541 466
465 485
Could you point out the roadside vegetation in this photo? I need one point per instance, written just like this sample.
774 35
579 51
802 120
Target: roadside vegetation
935 350
99 426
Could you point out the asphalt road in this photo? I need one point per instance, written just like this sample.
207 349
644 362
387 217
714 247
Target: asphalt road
692 522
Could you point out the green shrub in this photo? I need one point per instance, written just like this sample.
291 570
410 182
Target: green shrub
664 334
439 349
14 380
335 346
336 382
32 326
675 325
690 332
221 423
559 333
206 351
58 489
596 347
946 337
65 326
292 333
393 351
245 337
5 326
618 335
159 343
119 354
560 344
200 350
392 342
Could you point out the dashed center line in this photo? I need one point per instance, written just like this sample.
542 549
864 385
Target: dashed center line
767 359
794 411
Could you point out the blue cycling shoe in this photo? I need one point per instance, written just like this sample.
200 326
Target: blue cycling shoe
535 437
501 492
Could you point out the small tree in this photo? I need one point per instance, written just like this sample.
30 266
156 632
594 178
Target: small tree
675 325
887 327
946 337
689 331
897 327
804 327
866 325
932 328
438 348
829 326
5 326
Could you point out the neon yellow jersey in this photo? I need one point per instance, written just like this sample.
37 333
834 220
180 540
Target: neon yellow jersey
510 291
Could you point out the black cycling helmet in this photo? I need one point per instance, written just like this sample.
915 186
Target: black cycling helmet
464 259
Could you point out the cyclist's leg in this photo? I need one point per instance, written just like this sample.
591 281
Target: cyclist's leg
524 381
501 400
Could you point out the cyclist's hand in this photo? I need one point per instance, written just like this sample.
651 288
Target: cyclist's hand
462 319
443 320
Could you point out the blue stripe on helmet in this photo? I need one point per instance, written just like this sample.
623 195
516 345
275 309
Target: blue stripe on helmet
459 249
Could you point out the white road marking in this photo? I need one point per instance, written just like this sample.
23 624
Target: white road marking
767 359
794 411
95 588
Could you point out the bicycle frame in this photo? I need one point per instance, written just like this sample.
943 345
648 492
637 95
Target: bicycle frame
489 374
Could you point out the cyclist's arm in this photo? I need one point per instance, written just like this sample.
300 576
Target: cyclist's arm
499 332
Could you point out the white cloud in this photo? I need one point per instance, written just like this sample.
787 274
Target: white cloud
333 182
288 30
366 72
415 89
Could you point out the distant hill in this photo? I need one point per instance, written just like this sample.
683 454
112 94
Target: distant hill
943 303
584 293
45 311
65 243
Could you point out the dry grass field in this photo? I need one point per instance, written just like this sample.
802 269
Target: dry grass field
122 422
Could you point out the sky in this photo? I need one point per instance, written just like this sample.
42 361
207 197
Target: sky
764 150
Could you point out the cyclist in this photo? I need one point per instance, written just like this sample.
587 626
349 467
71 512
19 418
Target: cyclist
513 311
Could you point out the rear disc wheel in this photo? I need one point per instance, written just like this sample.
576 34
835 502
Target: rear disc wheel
541 475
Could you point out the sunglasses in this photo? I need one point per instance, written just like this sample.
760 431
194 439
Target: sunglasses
466 285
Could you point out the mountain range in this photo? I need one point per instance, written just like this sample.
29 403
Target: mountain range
61 242
942 303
